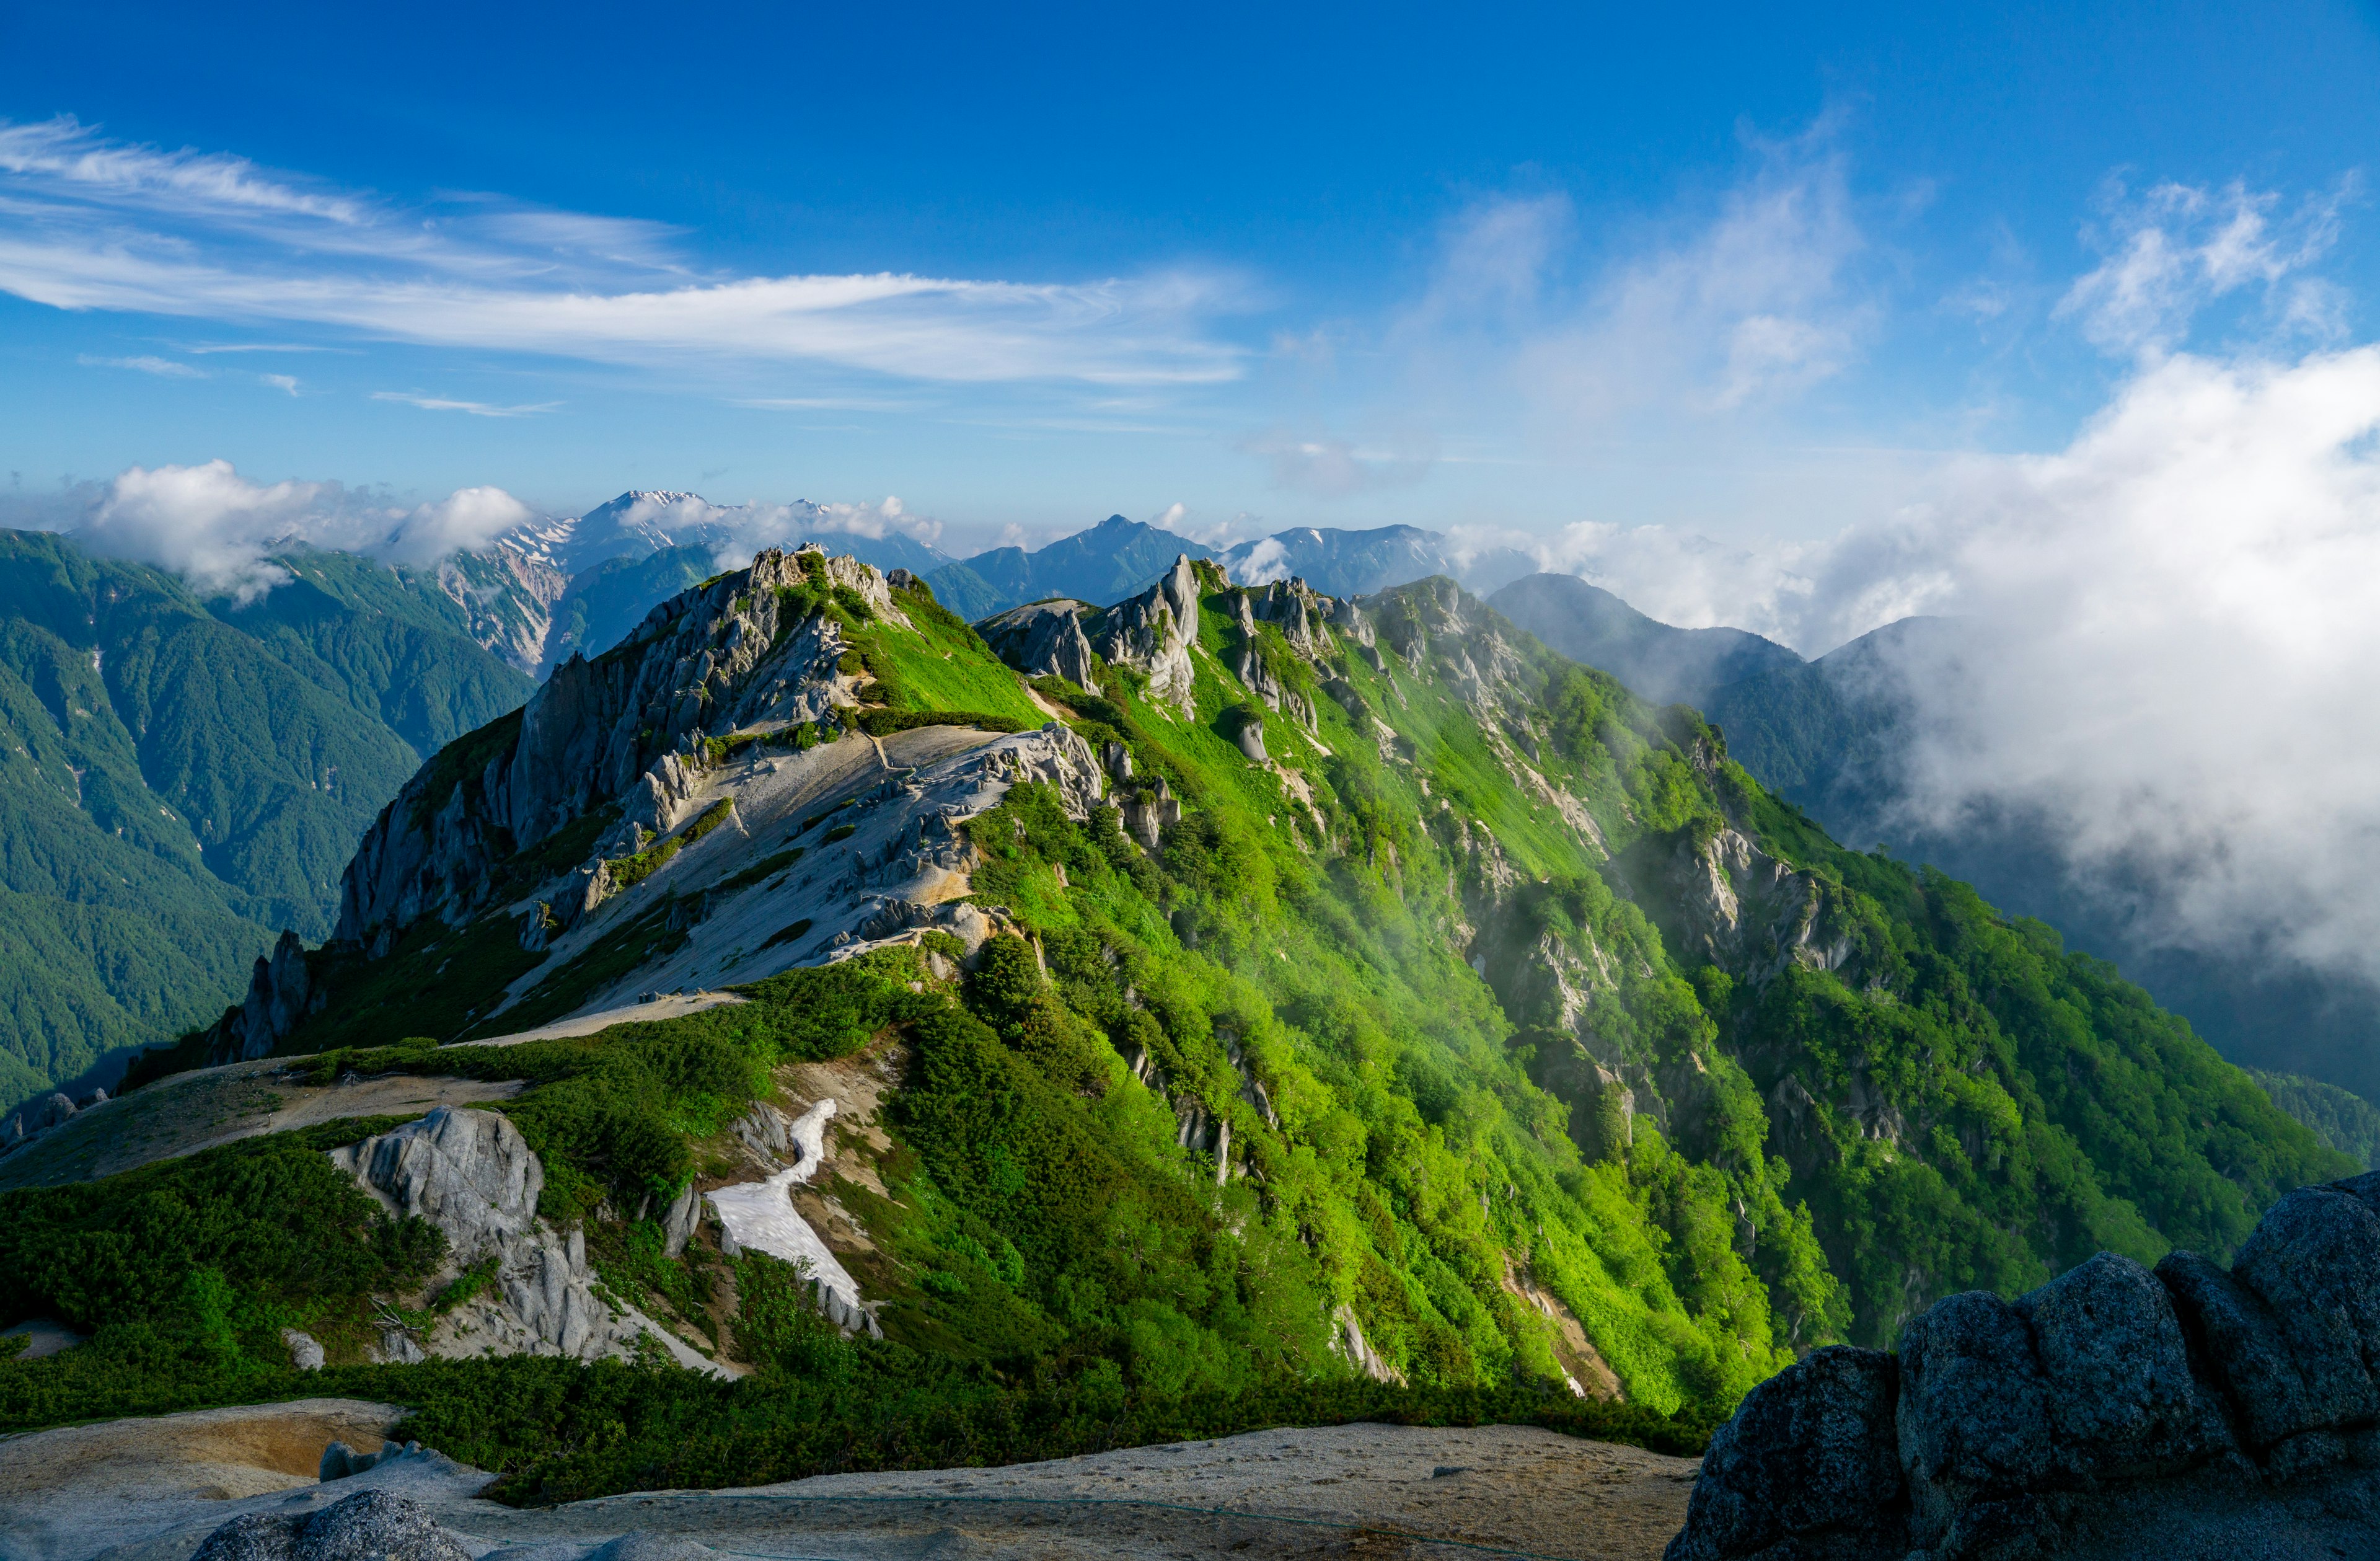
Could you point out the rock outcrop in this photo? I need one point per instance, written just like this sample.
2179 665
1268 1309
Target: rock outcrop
1748 913
1043 639
281 993
750 647
2242 1405
1154 631
472 1175
367 1526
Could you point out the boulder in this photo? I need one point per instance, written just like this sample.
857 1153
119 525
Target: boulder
367 1526
1974 1413
2121 1400
2247 1358
2189 1413
305 1351
2315 1262
1809 1457
469 1173
678 1225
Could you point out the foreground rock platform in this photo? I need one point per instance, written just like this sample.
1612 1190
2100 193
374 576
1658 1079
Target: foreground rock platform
2116 1412
1372 1490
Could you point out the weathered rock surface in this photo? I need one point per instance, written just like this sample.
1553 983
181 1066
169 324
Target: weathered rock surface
1043 639
744 649
1810 1459
1154 632
367 1526
2183 1413
472 1175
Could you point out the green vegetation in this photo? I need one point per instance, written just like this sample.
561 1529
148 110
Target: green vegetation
179 777
641 865
2341 1119
1440 1029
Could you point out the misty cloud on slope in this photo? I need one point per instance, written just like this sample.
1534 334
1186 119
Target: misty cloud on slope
2168 632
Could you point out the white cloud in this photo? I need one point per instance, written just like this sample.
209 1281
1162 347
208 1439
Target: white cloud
90 224
287 382
2168 635
467 519
218 529
2177 249
734 532
64 152
476 408
163 368
1744 307
206 523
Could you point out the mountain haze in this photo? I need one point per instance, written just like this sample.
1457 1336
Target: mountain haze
1590 625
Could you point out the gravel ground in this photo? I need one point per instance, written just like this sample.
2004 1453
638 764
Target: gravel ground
152 1490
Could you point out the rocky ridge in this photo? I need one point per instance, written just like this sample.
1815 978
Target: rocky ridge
723 704
2236 1411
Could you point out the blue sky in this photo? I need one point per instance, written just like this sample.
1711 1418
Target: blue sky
1749 274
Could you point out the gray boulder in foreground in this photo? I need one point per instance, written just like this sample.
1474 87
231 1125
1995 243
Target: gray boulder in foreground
2115 1412
367 1526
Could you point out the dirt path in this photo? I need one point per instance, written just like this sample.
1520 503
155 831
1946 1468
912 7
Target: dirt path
189 1111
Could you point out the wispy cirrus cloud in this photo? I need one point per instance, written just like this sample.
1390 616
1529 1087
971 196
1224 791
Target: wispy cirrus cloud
443 404
91 224
163 368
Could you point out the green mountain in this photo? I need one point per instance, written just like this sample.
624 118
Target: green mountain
180 778
1661 663
1834 736
1324 991
1112 559
2344 1120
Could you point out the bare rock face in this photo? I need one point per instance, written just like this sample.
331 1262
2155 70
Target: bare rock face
1042 640
1154 632
1749 914
367 1526
472 1175
1809 1460
746 649
281 993
469 1173
2114 1412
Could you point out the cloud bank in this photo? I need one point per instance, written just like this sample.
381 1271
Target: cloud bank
90 224
2168 632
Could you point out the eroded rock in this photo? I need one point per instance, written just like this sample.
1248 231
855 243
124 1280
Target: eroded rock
367 1526
2242 1402
1809 1457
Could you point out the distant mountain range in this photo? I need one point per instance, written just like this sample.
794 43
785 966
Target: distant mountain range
1662 663
181 777
1117 556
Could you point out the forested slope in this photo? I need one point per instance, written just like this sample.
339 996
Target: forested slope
179 778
